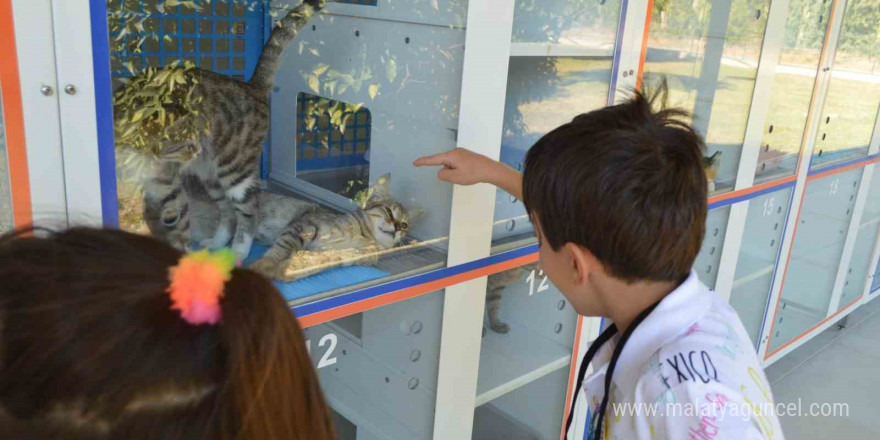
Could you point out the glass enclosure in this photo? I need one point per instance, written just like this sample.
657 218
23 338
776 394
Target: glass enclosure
853 97
759 252
815 255
709 258
544 91
378 369
528 339
708 53
5 191
360 92
793 82
866 240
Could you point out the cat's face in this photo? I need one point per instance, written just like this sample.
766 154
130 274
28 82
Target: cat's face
166 211
388 219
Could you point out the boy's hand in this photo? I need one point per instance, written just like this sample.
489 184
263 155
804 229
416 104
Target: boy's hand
464 167
460 166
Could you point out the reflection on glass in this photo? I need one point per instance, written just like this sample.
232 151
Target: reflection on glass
378 369
709 258
708 52
875 285
815 255
356 97
857 273
5 190
758 254
542 94
583 23
792 92
528 338
854 93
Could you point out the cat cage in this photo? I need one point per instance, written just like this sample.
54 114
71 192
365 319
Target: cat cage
399 343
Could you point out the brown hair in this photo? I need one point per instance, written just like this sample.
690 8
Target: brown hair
627 183
90 348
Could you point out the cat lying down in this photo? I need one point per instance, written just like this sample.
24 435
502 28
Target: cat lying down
305 238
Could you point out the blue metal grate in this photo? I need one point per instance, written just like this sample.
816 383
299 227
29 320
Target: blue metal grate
224 36
324 147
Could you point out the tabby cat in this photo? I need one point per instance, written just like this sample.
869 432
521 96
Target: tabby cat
227 160
495 287
289 224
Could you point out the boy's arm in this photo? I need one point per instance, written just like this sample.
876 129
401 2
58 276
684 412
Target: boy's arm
464 167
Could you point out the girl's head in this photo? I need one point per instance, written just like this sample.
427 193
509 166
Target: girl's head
90 348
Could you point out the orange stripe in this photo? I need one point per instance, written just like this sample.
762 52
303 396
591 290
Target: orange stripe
644 44
842 169
805 332
16 150
571 373
411 292
750 190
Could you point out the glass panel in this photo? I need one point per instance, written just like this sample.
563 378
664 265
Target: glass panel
542 94
854 93
866 239
583 23
387 78
793 81
875 285
378 369
709 257
5 190
708 52
753 279
528 338
815 255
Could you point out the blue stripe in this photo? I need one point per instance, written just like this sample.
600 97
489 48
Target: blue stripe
617 52
843 164
393 286
750 196
875 289
104 112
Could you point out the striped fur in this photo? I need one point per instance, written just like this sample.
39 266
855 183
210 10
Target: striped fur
289 224
495 285
237 114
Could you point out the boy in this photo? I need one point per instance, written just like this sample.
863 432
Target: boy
617 198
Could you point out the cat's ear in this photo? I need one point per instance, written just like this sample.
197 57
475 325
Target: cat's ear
715 160
381 190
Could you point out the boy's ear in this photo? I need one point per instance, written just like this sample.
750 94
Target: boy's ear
583 262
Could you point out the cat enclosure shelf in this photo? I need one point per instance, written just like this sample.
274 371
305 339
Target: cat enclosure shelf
561 50
514 359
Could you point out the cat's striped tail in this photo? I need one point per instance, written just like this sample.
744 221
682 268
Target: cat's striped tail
282 34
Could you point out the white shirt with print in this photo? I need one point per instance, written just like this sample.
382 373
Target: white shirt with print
688 371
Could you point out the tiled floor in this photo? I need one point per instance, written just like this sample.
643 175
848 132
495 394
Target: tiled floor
837 366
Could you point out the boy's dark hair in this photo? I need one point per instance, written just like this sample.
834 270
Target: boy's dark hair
91 349
625 182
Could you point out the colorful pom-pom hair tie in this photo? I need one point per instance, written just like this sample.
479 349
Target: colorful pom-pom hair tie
197 284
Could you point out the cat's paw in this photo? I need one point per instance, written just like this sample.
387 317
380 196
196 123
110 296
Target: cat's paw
242 247
500 328
264 267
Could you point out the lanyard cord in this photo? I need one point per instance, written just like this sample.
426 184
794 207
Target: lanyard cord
588 357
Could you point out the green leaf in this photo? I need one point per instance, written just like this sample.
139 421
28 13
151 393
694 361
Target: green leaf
314 84
391 70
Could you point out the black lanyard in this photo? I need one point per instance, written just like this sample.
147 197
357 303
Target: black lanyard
591 352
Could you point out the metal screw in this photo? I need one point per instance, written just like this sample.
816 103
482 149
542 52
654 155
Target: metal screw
825 69
510 224
415 355
513 199
558 328
70 89
417 327
631 72
47 90
413 383
625 73
561 304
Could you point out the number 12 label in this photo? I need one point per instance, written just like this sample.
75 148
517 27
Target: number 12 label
326 359
542 284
